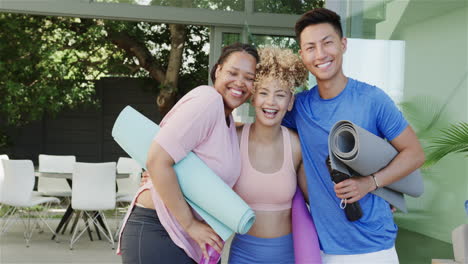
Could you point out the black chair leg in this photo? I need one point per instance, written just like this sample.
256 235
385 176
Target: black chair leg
65 217
96 228
75 222
66 223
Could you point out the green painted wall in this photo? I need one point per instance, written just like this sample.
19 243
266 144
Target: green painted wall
436 61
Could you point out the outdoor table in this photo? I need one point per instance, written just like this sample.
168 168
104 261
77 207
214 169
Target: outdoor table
69 211
69 176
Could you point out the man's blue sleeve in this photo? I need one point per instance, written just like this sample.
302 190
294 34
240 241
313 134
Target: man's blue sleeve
289 119
390 121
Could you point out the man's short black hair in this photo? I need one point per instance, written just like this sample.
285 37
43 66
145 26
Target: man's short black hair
318 16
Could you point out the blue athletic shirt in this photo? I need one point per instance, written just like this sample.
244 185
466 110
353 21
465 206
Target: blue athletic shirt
370 108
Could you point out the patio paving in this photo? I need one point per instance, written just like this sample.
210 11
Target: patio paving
44 250
412 248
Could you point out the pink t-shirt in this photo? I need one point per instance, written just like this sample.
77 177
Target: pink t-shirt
196 123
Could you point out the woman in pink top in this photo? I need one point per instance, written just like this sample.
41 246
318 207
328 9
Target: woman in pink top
161 227
271 157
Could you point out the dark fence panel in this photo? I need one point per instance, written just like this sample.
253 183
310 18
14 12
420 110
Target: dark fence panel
86 132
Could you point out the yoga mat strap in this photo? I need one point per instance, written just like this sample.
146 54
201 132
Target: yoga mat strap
353 211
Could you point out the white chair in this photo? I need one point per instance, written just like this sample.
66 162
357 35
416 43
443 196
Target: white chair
2 157
55 164
18 185
93 191
128 186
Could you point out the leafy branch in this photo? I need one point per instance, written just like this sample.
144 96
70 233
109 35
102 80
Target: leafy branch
452 140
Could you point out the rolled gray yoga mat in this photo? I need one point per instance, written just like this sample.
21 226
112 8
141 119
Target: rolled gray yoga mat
351 146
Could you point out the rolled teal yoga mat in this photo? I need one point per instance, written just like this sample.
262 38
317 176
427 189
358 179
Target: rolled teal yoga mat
208 195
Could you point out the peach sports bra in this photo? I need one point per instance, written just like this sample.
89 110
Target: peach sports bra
266 191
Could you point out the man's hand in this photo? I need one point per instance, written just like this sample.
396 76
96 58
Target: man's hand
354 188
145 177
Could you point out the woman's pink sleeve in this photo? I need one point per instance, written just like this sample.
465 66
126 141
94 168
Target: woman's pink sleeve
188 124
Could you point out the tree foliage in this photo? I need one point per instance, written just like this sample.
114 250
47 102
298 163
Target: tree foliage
266 6
287 6
45 65
50 63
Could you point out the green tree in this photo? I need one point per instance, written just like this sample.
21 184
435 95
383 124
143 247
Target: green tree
50 63
287 6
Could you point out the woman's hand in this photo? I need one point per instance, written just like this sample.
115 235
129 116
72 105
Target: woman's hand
204 235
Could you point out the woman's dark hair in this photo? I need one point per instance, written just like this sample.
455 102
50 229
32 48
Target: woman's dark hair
318 16
228 50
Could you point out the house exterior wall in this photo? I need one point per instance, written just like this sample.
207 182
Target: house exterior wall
436 63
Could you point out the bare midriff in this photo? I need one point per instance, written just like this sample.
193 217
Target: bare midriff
145 199
271 224
268 224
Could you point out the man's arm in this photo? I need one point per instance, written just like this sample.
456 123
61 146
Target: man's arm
302 182
410 157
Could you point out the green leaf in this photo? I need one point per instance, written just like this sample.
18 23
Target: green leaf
452 140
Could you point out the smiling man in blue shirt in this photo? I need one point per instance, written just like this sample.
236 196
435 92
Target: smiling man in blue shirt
336 97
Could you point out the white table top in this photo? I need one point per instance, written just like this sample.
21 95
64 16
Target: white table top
70 175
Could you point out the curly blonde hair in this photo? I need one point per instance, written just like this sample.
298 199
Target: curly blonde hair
281 65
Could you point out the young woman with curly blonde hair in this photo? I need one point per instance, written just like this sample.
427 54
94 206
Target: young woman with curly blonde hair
271 160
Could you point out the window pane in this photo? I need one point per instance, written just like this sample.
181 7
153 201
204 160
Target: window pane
227 5
286 6
275 41
230 38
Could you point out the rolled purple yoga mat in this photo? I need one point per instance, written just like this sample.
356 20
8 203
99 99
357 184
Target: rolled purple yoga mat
306 244
214 256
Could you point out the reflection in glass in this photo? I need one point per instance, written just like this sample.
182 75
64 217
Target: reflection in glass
364 17
275 41
226 5
286 6
230 38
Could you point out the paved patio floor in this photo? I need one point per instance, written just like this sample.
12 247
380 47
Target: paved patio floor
44 250
412 248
